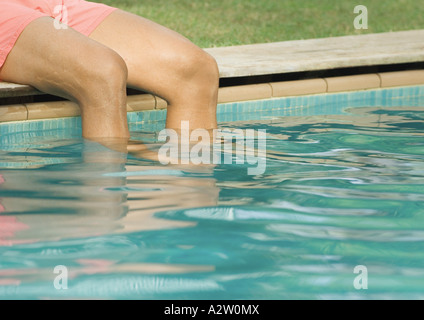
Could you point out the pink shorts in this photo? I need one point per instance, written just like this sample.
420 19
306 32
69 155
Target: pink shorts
15 15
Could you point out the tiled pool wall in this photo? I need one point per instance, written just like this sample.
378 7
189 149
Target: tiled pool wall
320 104
153 120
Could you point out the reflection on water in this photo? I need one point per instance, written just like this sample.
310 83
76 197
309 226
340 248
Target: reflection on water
91 191
95 192
338 191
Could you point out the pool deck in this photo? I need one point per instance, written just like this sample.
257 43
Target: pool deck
279 58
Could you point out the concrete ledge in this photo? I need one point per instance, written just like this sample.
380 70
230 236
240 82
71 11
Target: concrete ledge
8 90
320 54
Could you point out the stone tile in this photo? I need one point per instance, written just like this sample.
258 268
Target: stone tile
355 82
161 103
402 78
13 113
245 93
299 87
50 110
140 102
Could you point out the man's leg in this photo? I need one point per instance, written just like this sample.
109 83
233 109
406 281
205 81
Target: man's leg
166 64
66 63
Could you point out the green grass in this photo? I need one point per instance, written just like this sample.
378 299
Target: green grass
215 23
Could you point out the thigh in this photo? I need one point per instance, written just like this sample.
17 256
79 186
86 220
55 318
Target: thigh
16 15
153 53
50 59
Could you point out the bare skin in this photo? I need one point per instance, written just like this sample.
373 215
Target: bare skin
124 50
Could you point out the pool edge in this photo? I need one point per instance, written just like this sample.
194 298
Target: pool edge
230 94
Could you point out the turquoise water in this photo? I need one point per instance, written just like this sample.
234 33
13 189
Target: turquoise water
340 190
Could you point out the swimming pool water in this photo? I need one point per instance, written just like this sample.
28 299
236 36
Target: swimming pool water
340 190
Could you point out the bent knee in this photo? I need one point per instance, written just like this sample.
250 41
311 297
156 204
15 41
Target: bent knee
210 67
103 70
196 65
108 67
205 66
